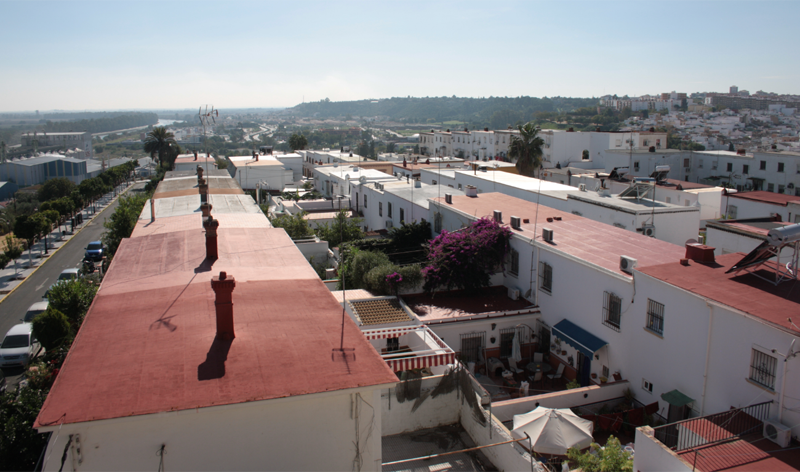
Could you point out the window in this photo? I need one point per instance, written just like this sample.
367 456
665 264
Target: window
636 166
380 208
732 212
647 386
472 345
389 210
545 277
402 216
392 344
433 182
459 186
745 169
770 187
655 316
612 310
507 341
763 165
780 167
781 189
762 369
514 262
699 163
730 167
365 200
686 162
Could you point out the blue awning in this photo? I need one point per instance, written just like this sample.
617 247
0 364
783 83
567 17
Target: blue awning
577 337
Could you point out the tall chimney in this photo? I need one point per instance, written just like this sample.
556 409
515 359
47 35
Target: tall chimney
203 187
223 289
206 209
211 225
199 174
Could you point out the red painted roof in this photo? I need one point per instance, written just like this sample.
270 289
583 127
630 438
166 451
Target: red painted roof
753 454
766 197
592 241
747 293
148 342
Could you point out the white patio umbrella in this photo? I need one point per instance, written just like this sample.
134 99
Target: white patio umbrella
553 431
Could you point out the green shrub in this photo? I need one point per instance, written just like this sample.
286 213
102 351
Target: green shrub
51 328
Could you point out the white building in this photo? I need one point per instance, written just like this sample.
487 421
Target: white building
258 168
70 140
195 160
759 204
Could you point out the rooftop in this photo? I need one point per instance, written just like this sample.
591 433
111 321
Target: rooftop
753 227
685 185
766 197
43 159
418 195
249 161
745 292
629 205
457 305
752 453
148 343
172 187
595 242
376 311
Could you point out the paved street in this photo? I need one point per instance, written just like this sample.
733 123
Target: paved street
31 290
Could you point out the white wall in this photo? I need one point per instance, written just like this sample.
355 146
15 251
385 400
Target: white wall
398 418
653 456
265 435
505 410
276 176
725 242
753 209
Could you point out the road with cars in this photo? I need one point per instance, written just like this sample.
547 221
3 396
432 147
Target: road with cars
70 255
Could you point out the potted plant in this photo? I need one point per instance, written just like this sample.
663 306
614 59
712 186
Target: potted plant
603 380
594 375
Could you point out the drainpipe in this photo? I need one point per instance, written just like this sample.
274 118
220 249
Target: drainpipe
786 358
708 355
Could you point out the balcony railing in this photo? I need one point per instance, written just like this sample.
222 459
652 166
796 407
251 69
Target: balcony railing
696 432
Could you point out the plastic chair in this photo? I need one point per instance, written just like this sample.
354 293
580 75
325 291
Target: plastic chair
558 373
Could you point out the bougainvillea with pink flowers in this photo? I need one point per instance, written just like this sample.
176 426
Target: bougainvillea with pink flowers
467 258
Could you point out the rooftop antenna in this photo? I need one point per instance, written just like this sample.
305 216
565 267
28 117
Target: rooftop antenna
207 118
343 351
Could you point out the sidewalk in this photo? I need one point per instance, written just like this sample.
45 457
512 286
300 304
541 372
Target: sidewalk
32 259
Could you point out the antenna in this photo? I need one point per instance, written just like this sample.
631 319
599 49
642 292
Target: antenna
207 118
344 351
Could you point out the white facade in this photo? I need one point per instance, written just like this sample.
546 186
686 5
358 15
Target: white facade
245 436
80 140
267 170
389 203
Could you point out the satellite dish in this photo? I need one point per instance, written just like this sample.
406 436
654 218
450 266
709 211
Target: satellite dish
363 179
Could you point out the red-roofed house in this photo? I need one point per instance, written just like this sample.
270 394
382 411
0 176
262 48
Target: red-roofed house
226 363
662 325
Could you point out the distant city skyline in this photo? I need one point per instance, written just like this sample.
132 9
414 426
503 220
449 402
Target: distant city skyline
178 55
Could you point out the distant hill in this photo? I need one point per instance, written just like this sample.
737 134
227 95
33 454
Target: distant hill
495 112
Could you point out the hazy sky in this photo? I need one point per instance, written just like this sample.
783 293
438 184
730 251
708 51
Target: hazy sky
174 54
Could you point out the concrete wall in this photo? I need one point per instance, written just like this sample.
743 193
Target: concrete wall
505 410
653 456
725 242
276 176
398 417
265 435
753 209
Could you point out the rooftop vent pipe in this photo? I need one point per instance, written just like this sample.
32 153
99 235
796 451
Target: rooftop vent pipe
223 289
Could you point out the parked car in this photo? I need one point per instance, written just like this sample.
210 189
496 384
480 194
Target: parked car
19 346
35 309
94 251
66 274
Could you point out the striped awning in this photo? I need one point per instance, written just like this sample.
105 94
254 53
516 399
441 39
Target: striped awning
442 354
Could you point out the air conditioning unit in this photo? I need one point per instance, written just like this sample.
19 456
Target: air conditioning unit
498 216
626 264
515 222
582 187
649 230
389 224
547 235
777 433
513 293
448 198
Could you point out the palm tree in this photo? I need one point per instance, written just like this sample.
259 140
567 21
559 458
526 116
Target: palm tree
162 142
526 149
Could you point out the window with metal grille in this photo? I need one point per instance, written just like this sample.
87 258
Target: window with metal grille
655 316
762 369
780 167
612 310
763 165
380 208
730 167
472 345
389 210
545 277
507 341
514 270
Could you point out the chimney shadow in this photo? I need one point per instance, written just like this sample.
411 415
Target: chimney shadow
204 266
214 365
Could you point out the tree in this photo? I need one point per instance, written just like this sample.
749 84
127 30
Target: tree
466 259
730 147
20 443
341 230
123 221
295 225
55 188
12 251
297 141
611 458
526 149
51 328
72 298
161 142
28 227
359 264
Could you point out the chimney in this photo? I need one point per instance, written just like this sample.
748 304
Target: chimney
199 174
223 303
256 157
195 155
700 253
206 209
203 187
486 129
211 225
404 162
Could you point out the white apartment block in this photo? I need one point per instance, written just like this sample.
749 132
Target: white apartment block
70 140
473 145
